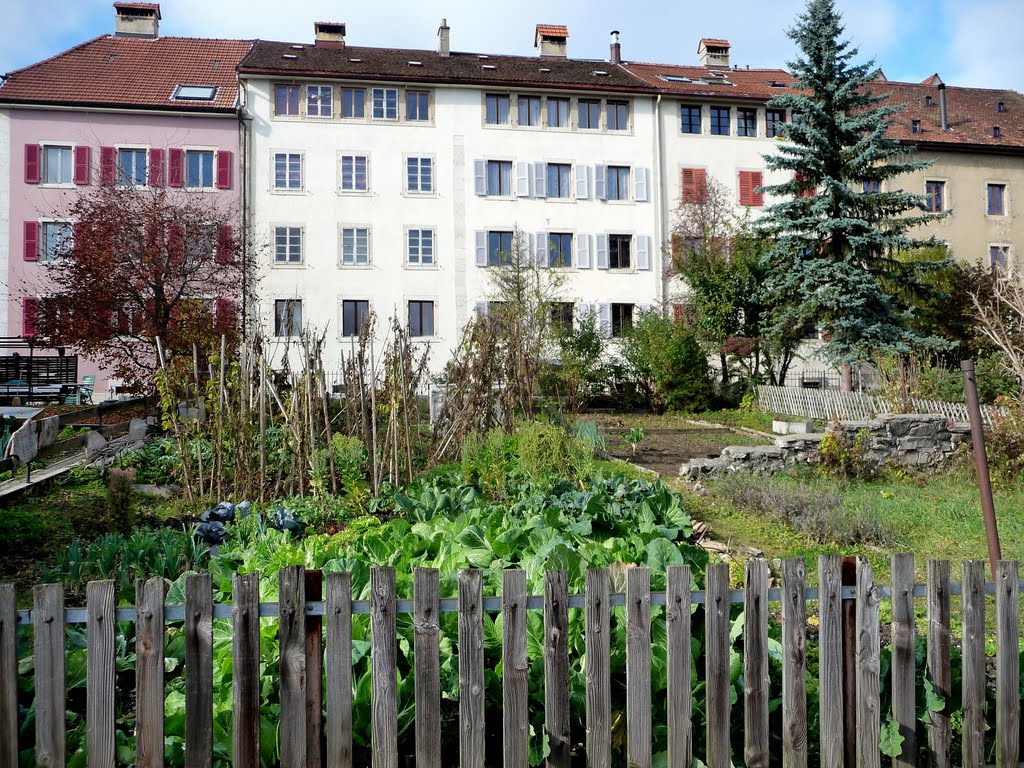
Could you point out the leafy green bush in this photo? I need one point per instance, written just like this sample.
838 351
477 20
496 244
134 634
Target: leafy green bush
489 461
21 532
839 456
581 371
667 364
1004 441
546 449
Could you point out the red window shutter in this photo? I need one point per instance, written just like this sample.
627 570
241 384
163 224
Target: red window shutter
29 315
756 180
33 164
156 167
175 167
807 192
695 184
31 241
746 190
224 169
223 311
224 244
677 313
82 165
108 165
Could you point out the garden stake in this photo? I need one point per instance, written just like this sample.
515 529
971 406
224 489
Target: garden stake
988 507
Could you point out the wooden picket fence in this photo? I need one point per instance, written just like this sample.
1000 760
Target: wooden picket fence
302 624
833 404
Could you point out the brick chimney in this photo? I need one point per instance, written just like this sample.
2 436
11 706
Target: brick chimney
329 34
444 39
713 52
137 20
616 50
551 41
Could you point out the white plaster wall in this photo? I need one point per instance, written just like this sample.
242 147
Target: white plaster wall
455 137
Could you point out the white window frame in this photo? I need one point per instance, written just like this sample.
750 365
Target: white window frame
342 154
301 263
405 106
511 178
367 102
356 229
571 196
43 224
568 114
433 248
433 175
117 164
184 168
373 103
320 89
947 202
1007 249
509 121
43 146
341 313
273 101
274 189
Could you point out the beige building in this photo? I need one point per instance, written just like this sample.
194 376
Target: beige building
974 139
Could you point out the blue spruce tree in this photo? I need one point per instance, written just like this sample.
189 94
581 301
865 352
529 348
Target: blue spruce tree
837 237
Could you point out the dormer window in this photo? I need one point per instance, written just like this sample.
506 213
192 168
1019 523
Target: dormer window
1001 106
195 93
927 101
915 126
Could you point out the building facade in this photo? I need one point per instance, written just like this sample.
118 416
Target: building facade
132 108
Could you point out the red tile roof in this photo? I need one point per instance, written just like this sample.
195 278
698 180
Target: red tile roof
132 72
140 7
744 84
552 30
972 113
717 42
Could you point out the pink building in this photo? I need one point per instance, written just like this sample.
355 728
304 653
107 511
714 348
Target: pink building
128 108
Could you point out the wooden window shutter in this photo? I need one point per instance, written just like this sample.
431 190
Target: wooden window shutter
224 255
695 185
31 241
175 167
156 167
224 169
33 163
677 313
811 192
222 314
82 165
108 165
745 188
756 180
29 315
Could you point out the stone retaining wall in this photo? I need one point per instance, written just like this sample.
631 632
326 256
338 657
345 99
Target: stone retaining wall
918 441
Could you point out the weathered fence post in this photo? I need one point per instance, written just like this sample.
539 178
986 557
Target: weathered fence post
1007 664
830 660
868 668
245 677
755 664
291 638
716 609
198 670
9 677
904 709
149 672
383 657
339 670
100 676
973 660
794 664
314 646
677 619
598 672
638 667
939 673
427 675
556 667
471 669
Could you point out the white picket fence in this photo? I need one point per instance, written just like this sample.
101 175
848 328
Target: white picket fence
832 404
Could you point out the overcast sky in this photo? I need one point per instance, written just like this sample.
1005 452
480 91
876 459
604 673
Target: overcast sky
909 39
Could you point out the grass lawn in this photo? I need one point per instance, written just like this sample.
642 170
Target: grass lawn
934 518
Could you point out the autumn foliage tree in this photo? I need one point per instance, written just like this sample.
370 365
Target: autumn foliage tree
143 264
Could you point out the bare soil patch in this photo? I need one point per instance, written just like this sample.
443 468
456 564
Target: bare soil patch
664 450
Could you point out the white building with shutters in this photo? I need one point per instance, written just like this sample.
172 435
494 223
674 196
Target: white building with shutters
396 181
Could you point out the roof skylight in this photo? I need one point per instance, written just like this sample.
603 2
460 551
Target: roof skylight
675 78
195 92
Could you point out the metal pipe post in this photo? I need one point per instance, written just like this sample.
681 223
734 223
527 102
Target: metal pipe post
988 507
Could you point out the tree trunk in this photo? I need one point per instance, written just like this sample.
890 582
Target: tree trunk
846 378
725 372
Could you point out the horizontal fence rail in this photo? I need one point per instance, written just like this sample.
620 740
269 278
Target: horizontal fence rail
315 636
833 404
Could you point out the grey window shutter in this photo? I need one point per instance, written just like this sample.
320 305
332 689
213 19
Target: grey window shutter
481 248
641 184
525 247
582 182
582 312
480 177
602 251
600 182
583 251
540 180
522 179
643 252
604 312
542 249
